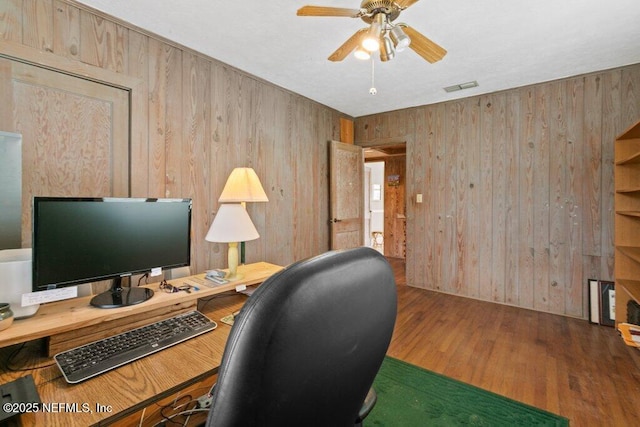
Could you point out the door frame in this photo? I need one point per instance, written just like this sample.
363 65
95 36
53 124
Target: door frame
391 142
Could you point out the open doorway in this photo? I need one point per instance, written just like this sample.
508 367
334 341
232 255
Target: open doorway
392 206
374 205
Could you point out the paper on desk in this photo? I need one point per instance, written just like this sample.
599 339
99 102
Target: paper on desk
228 319
200 282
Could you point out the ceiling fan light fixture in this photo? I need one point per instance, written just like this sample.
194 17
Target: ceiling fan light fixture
370 44
400 39
361 53
386 52
379 15
371 40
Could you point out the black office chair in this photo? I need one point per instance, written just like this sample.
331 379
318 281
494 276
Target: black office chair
307 345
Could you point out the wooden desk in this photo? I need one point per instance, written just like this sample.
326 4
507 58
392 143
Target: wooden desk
132 387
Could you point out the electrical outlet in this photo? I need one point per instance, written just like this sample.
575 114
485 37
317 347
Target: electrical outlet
204 401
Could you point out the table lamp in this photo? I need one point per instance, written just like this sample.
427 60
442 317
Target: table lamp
232 225
243 185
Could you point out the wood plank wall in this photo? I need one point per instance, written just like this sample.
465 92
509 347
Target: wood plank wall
202 118
518 185
518 188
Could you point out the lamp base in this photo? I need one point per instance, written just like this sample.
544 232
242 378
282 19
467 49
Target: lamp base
232 256
234 278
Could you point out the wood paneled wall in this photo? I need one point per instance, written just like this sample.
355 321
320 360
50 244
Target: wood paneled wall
518 189
200 119
518 185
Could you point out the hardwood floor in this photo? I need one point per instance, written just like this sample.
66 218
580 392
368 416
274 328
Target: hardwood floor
567 366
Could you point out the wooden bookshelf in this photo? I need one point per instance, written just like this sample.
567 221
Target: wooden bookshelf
627 220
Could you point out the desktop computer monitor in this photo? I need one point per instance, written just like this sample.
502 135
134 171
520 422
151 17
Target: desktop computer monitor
83 240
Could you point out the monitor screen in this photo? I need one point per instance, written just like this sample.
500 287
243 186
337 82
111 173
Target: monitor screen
81 240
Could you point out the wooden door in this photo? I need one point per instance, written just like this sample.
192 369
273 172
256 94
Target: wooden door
75 134
347 195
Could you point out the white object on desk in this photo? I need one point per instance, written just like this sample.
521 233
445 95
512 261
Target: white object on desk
51 295
15 274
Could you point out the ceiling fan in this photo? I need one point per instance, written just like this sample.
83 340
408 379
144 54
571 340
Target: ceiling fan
381 34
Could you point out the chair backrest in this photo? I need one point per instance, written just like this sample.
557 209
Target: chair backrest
307 345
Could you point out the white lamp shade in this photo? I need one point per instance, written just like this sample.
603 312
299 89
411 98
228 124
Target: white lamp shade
231 224
243 185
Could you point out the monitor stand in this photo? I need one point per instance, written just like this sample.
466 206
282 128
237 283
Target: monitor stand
121 294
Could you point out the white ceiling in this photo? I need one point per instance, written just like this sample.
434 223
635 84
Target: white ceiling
499 43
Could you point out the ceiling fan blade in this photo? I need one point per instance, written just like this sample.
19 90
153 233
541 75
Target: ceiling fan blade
328 11
423 46
348 46
405 3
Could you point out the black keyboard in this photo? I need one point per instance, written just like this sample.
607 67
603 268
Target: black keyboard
89 360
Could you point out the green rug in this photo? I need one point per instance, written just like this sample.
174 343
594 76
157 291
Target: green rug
411 396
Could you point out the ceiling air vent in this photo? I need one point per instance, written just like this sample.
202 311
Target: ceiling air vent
461 86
